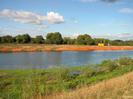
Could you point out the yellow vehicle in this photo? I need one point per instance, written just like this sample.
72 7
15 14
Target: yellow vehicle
100 44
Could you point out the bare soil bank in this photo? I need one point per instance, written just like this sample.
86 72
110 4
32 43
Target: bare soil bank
43 47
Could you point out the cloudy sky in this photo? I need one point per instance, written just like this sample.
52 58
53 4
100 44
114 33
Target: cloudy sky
99 18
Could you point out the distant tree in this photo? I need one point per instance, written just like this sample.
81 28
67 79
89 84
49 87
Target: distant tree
68 40
0 40
25 38
54 38
118 42
101 40
7 39
84 39
39 39
18 39
129 42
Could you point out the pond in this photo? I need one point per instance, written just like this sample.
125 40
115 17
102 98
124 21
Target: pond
24 60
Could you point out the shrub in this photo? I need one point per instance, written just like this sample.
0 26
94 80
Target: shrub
108 65
88 72
125 61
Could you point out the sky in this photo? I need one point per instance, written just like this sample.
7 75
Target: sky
111 19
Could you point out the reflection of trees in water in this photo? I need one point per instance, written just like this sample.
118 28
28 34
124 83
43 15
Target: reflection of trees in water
84 57
49 59
54 58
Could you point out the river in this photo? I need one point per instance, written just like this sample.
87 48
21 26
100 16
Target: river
24 60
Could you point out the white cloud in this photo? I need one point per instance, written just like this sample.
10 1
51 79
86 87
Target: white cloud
75 35
125 35
54 18
122 36
32 18
33 31
126 10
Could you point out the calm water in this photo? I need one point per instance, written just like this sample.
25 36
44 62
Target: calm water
50 59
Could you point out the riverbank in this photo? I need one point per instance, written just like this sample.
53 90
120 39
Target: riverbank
43 47
116 88
51 82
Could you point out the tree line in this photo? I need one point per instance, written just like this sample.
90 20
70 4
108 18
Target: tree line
56 38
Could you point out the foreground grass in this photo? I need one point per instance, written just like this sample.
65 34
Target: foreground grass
46 83
115 88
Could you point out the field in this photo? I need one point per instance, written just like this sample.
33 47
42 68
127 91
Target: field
43 47
68 82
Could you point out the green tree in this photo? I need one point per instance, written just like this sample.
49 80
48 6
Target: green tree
18 39
0 40
101 40
68 40
39 39
54 38
117 42
25 38
84 39
7 39
129 42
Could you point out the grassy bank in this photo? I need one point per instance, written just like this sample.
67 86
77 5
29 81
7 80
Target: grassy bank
116 88
37 84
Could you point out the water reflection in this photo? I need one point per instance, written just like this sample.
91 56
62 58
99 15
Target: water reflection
50 59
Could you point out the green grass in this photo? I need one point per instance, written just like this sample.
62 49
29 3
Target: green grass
31 84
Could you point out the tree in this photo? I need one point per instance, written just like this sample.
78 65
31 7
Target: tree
39 39
101 40
7 39
25 38
54 38
117 42
18 39
0 40
129 42
84 39
68 40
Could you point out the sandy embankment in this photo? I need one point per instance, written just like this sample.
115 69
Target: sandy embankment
43 47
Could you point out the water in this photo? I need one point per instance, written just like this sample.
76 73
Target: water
50 59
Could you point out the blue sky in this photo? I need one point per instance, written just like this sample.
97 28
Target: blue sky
99 18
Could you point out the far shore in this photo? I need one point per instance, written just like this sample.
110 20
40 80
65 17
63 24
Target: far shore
44 47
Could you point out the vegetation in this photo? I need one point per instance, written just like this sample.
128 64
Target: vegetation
56 38
116 88
38 39
35 84
84 40
25 38
68 40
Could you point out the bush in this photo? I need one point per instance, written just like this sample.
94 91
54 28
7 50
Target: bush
88 72
108 65
125 61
